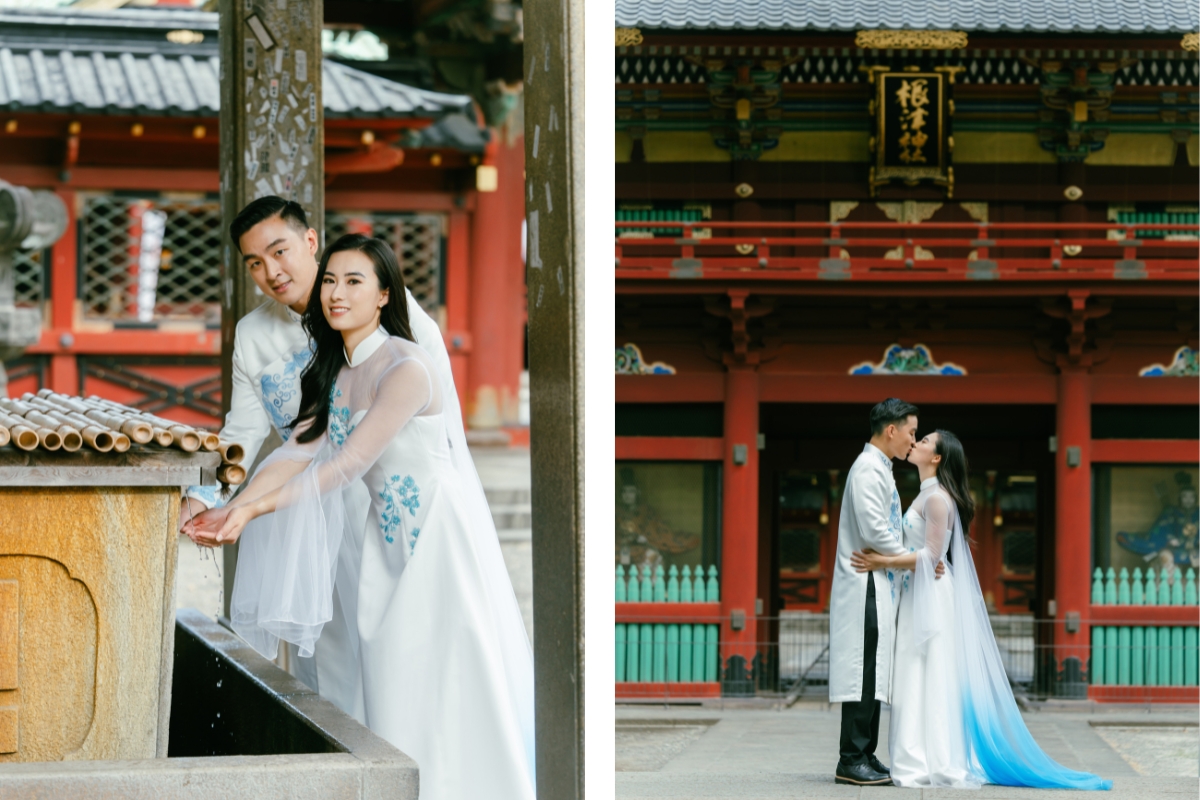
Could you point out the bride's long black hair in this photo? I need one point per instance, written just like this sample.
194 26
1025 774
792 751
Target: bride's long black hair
317 379
952 476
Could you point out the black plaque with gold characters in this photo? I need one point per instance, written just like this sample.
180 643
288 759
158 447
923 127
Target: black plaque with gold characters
912 140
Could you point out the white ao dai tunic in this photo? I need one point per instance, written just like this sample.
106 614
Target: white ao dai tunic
434 676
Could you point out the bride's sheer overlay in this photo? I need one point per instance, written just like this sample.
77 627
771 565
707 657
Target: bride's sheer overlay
289 568
999 747
287 560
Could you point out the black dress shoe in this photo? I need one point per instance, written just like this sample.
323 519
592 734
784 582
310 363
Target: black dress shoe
877 765
861 774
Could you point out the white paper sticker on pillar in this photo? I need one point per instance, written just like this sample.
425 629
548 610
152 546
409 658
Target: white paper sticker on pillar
285 82
300 123
312 108
535 257
549 200
308 193
278 184
537 135
249 84
250 55
552 125
262 188
274 90
301 66
260 32
154 224
291 98
278 61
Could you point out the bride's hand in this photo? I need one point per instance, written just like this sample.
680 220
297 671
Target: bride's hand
867 560
234 524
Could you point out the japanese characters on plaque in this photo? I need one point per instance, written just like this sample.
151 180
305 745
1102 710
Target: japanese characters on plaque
912 141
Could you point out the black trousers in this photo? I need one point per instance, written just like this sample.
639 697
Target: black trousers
860 720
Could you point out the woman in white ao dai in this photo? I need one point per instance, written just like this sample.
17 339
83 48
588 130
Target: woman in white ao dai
924 741
438 680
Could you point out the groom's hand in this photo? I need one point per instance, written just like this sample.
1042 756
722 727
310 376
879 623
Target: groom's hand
939 570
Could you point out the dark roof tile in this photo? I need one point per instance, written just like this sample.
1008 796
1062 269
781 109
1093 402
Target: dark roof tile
1034 16
121 62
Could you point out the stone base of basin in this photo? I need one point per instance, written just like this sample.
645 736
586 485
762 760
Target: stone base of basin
240 727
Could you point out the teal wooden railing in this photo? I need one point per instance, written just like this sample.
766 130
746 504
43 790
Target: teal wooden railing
1144 655
660 214
1156 218
667 652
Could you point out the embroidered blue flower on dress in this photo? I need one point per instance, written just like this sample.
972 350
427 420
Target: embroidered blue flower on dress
413 547
398 495
279 390
339 419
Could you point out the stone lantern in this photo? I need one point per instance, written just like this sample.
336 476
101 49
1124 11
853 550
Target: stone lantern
29 220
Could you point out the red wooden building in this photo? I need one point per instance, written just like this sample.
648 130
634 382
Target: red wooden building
116 112
1018 258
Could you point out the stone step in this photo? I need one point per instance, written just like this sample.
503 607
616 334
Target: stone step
505 497
512 516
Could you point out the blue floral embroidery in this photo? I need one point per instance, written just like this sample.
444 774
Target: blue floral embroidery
279 390
339 419
413 547
398 495
206 494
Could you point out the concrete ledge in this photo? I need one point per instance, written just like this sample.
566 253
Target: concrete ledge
323 754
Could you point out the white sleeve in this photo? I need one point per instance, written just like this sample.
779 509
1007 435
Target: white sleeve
284 584
872 505
926 616
246 424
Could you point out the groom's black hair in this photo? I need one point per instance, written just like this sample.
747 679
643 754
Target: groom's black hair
263 209
892 411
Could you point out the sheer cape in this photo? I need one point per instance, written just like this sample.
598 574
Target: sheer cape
1000 749
292 561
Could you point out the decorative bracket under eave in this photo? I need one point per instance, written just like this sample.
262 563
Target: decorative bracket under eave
1080 347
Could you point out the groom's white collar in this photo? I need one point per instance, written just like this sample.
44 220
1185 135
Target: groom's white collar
367 347
870 448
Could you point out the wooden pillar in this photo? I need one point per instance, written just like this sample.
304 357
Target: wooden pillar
497 289
554 132
272 143
739 525
64 298
458 294
1073 527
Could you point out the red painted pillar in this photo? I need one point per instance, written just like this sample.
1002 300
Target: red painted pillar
739 517
1073 523
497 290
458 337
64 369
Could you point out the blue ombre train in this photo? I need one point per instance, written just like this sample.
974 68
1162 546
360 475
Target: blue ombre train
1002 747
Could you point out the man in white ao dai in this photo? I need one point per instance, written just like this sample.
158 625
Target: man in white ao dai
862 618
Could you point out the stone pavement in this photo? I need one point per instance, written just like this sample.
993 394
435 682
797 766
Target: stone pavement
504 472
725 752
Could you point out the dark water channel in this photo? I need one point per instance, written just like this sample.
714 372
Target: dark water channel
227 700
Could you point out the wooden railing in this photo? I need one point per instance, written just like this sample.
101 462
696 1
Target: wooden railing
927 251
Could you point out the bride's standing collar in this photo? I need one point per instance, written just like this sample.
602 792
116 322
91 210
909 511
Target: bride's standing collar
367 347
928 483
